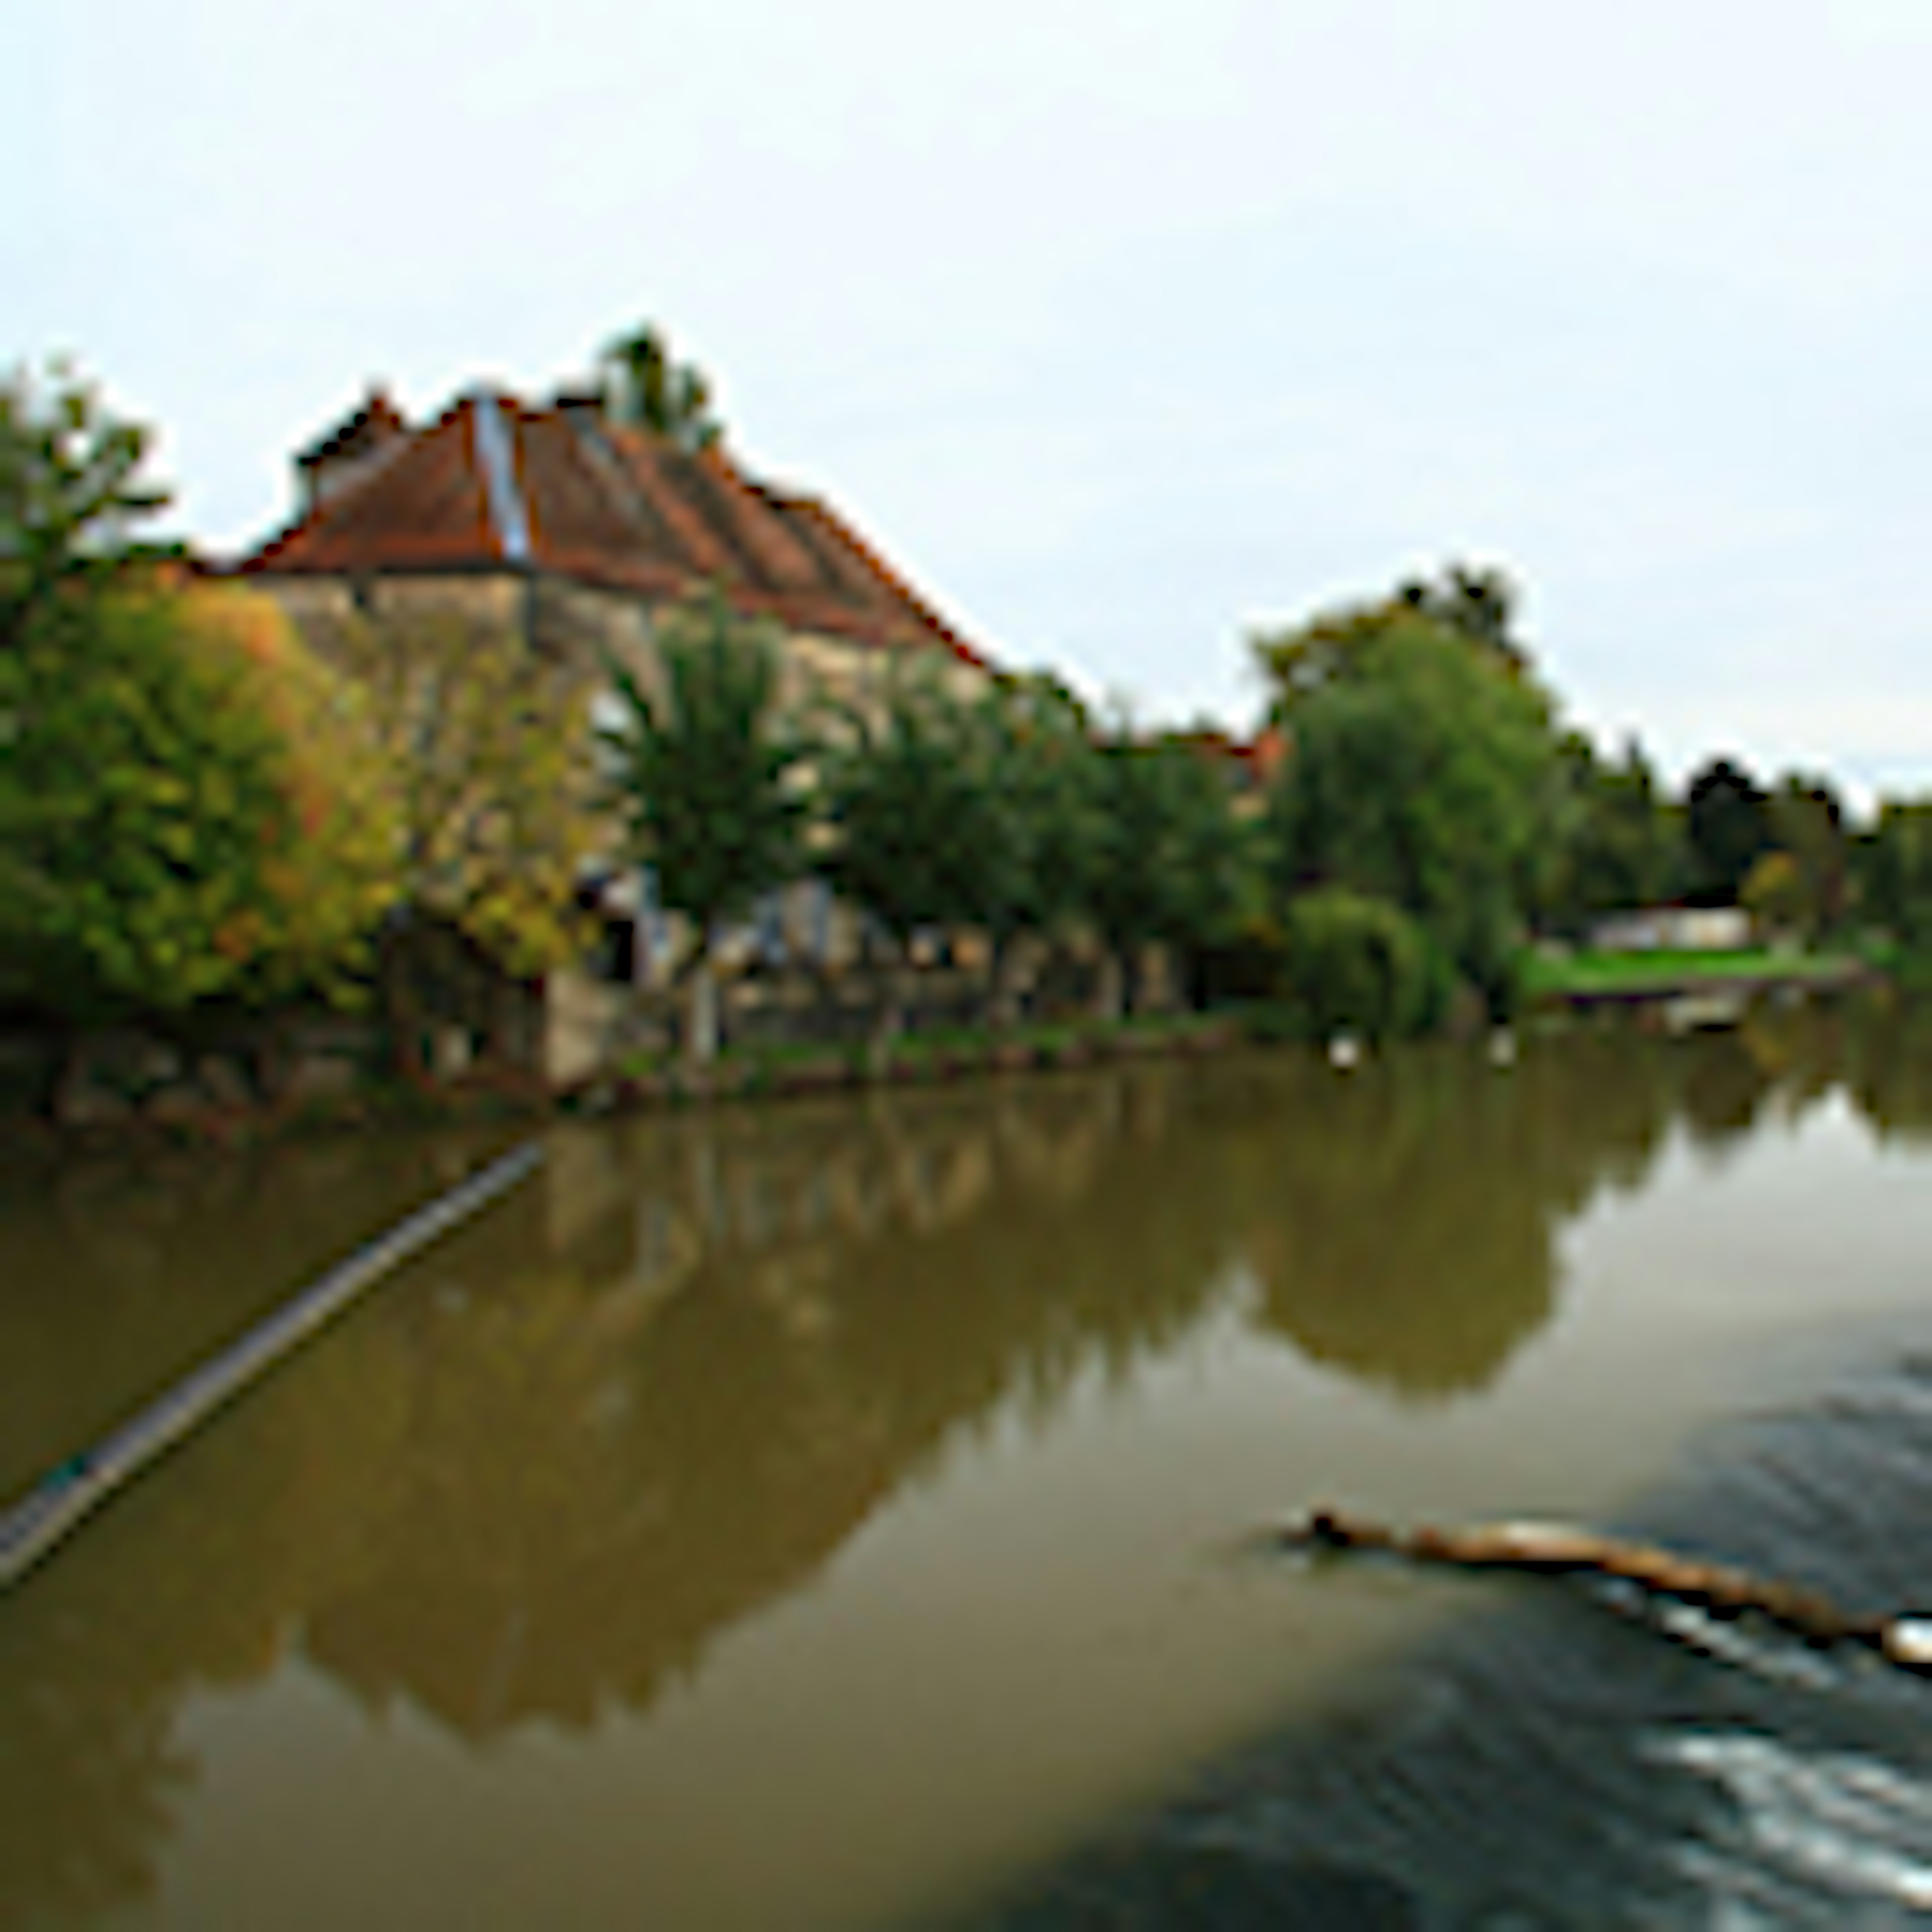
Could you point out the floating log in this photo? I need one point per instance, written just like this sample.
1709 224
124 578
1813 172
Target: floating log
58 1502
1559 1550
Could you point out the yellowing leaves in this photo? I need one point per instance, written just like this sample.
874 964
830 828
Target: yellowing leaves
483 747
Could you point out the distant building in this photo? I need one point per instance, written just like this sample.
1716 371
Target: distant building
1674 929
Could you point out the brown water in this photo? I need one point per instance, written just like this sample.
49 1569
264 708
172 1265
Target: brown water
811 1517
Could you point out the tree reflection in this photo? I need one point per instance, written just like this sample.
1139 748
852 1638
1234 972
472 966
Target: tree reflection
1402 1220
1891 1066
660 1389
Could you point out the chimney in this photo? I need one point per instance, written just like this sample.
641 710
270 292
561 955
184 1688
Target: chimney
352 449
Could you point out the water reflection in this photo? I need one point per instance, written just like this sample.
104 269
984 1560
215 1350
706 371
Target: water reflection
1403 1221
660 1388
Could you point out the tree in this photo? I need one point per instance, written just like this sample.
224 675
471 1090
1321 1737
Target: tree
1618 843
919 835
482 739
1775 892
1359 965
1045 781
704 771
1895 871
646 388
1336 646
1728 824
1163 870
1423 776
1480 603
187 809
1807 824
70 495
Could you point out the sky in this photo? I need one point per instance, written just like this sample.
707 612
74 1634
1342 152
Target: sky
1124 329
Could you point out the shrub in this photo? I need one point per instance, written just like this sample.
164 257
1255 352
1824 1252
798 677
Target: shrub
1358 964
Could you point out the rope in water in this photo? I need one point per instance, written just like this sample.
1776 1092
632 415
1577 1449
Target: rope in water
1555 1549
77 1486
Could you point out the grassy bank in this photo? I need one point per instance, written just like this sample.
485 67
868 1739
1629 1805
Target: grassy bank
1586 975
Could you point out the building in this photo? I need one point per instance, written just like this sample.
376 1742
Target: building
574 531
575 528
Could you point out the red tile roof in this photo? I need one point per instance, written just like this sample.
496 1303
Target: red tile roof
493 484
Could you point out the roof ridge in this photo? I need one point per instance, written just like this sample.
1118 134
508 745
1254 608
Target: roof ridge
495 444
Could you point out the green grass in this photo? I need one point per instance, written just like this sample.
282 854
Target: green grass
1588 972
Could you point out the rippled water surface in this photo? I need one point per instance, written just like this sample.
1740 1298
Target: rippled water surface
839 1514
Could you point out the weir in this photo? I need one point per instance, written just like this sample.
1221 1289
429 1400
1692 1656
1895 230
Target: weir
71 1491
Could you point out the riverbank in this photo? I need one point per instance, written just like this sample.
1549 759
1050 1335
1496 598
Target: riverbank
484 1094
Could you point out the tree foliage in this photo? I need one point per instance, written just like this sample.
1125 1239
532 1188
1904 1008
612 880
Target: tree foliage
483 743
1807 826
703 770
1616 839
1895 869
1164 867
70 495
1729 827
188 810
1338 646
919 833
1045 778
1357 964
1422 776
645 386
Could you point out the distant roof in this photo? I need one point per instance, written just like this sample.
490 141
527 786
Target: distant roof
1258 761
494 483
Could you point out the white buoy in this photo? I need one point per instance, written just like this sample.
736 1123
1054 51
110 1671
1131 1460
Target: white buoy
1344 1053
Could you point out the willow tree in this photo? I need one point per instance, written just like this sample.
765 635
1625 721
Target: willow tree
706 770
1422 772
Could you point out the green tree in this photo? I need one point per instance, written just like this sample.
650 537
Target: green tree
1807 824
705 770
1728 821
70 495
1775 892
183 809
1164 870
1479 602
1895 871
919 835
646 387
1046 787
1355 964
1424 776
1337 646
1618 841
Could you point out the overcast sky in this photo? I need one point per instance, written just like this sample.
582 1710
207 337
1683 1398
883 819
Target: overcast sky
1121 328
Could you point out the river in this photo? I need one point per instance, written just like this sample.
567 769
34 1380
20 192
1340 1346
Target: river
841 1513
